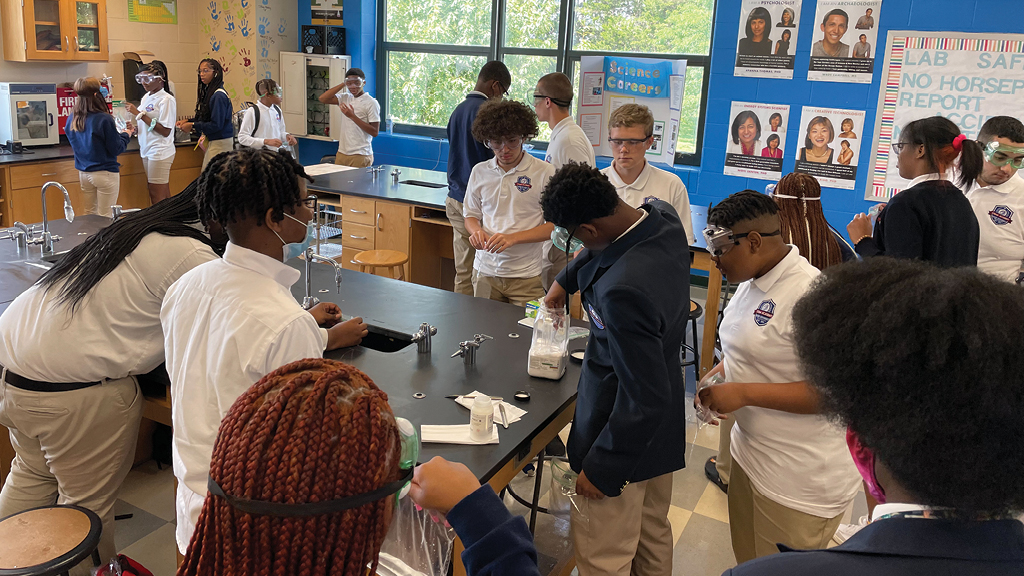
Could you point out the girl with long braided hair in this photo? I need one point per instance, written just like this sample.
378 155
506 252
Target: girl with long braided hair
803 222
313 431
213 111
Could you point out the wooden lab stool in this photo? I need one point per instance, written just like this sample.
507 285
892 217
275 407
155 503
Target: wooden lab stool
48 540
370 260
696 311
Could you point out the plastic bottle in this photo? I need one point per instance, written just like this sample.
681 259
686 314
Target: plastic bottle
390 125
481 418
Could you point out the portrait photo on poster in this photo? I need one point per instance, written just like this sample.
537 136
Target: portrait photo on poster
830 145
757 136
843 41
767 38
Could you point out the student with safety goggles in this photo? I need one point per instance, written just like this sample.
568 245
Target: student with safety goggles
997 197
263 124
156 115
791 478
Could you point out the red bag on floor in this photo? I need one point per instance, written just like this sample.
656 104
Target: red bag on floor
124 565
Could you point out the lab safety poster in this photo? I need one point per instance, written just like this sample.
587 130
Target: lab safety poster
767 40
843 41
830 144
757 134
608 82
967 78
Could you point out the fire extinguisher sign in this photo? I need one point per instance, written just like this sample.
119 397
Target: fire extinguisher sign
66 99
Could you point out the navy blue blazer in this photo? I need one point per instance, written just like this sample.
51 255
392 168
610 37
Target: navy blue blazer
906 547
630 420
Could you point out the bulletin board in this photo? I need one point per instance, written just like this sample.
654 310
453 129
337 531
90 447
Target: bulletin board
153 11
607 82
965 77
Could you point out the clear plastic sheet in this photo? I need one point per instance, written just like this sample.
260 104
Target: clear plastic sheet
419 543
564 500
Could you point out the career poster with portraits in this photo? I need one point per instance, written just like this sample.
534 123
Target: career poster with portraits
829 145
767 39
757 133
844 40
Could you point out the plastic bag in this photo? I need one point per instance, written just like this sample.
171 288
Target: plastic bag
564 500
550 339
706 415
419 543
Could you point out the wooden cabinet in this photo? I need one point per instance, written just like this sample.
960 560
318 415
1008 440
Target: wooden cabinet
55 30
373 225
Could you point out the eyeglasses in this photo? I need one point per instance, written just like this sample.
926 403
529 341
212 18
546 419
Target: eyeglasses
631 142
309 202
504 90
499 144
205 71
996 154
898 147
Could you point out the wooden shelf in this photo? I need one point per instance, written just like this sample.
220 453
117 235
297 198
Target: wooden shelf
432 220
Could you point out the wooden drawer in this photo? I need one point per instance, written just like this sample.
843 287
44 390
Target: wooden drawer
347 254
35 175
358 210
358 236
131 163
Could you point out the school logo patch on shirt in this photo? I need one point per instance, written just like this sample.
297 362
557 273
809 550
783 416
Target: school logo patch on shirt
649 199
149 108
594 317
523 184
1001 215
765 311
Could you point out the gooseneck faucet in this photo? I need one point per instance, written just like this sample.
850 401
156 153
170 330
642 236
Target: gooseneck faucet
311 256
48 239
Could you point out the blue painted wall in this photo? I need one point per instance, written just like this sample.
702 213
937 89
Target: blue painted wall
708 184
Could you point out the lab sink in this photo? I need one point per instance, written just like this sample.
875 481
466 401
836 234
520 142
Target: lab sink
423 183
53 258
384 340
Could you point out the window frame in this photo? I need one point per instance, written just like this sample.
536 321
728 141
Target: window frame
565 59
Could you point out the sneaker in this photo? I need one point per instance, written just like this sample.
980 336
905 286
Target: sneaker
530 470
845 531
711 471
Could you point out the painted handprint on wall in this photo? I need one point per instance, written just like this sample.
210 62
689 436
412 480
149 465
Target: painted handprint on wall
213 10
214 44
282 27
264 23
245 3
229 23
232 49
204 26
245 28
224 63
246 61
264 48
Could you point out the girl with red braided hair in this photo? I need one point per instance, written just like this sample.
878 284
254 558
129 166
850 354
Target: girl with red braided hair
293 457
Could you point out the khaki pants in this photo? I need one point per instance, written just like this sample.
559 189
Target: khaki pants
465 254
71 448
723 462
516 291
99 191
357 160
627 534
215 147
554 262
758 524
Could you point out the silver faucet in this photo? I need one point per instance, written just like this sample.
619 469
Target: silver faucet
20 233
468 349
395 174
311 256
117 212
48 239
422 338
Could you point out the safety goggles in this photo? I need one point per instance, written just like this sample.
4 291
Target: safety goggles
145 77
409 457
630 142
720 240
998 154
512 143
565 241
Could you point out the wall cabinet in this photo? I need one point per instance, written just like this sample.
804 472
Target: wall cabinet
55 30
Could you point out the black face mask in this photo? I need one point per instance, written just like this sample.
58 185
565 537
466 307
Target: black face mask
284 510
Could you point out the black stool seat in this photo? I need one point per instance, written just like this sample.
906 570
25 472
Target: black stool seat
696 311
48 540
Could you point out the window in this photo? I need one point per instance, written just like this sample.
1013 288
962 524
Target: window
429 51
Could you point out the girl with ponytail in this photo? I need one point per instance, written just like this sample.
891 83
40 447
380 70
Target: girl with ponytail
931 220
96 142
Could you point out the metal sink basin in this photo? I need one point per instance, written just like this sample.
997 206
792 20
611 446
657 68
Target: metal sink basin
384 340
423 183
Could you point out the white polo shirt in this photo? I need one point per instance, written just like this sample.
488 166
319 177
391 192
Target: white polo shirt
227 323
162 107
352 140
115 331
569 142
271 126
507 202
1000 213
655 184
798 460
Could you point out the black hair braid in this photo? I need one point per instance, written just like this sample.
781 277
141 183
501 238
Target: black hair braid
745 205
205 92
89 262
229 187
161 69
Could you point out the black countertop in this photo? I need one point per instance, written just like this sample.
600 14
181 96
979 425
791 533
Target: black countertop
61 152
360 182
500 369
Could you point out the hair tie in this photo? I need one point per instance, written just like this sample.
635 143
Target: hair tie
787 197
958 142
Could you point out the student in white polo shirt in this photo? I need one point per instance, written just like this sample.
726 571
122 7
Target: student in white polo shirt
631 135
502 206
998 198
552 98
263 124
360 122
792 476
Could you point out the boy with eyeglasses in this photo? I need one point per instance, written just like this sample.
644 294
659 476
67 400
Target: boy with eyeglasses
360 122
631 135
998 198
502 207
